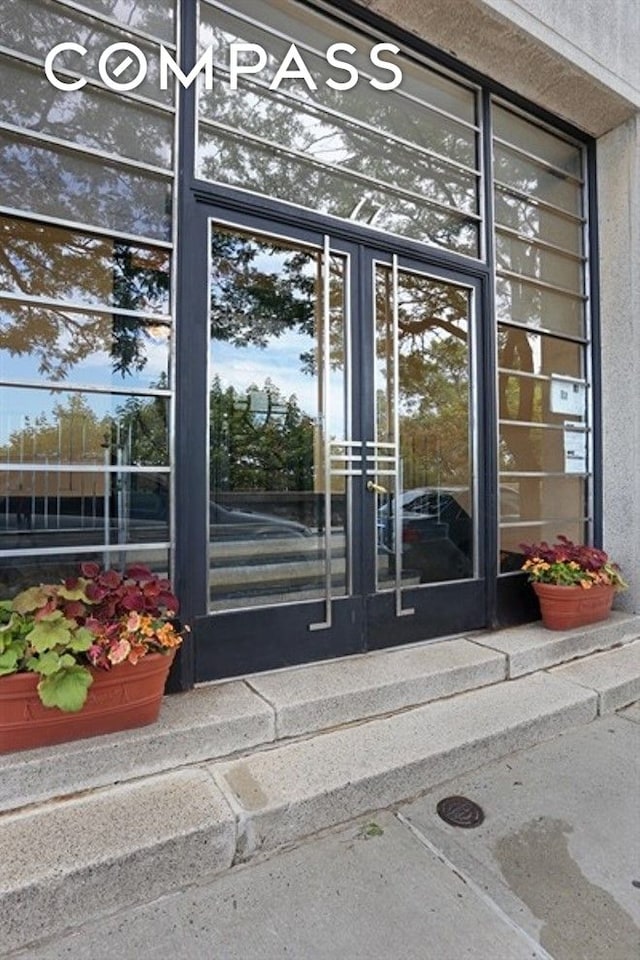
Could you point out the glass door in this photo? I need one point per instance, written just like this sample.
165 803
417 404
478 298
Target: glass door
341 500
422 474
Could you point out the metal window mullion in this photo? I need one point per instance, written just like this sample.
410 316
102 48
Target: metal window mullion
503 187
77 307
397 514
340 170
111 159
554 288
112 22
301 45
88 228
543 332
91 82
326 440
57 386
502 228
354 121
71 467
540 161
96 548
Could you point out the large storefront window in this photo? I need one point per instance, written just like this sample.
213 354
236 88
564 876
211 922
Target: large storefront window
403 161
86 314
544 429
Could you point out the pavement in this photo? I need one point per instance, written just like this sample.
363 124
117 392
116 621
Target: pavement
552 872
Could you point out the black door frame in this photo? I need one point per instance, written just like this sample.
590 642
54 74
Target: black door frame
234 643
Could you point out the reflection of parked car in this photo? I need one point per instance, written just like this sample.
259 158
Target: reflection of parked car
232 524
437 530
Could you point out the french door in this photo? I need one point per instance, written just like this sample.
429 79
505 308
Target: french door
342 450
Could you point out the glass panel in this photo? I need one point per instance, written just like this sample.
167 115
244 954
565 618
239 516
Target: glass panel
302 119
295 20
99 350
267 491
330 141
63 427
57 183
536 222
45 261
435 415
532 138
531 449
88 117
537 498
265 170
511 538
525 302
35 26
536 353
153 16
525 398
17 573
535 179
537 262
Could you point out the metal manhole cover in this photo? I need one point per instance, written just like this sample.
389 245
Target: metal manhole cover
460 812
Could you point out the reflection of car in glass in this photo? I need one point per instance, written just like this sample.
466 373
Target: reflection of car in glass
437 530
232 524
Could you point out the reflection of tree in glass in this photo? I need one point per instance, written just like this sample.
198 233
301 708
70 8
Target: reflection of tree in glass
42 261
261 290
73 432
269 448
434 377
300 122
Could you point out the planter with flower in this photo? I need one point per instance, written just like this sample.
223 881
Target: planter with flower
575 584
84 657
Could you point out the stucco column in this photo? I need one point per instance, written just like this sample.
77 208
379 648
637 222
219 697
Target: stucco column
619 223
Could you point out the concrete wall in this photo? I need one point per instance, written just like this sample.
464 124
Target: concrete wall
578 59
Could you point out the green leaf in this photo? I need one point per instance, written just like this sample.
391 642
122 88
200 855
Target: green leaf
47 634
76 594
30 600
81 639
66 689
9 661
46 664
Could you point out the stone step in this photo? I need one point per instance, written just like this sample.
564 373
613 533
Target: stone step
290 791
336 692
64 863
532 647
614 675
68 860
220 719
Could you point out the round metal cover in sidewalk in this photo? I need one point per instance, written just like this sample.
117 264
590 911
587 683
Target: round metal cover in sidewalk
460 812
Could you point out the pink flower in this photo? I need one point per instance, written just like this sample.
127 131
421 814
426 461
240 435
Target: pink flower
119 651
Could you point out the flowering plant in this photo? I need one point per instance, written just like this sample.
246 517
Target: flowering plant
569 564
99 619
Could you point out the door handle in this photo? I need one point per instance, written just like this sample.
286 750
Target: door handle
375 487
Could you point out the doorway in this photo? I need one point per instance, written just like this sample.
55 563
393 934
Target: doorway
343 435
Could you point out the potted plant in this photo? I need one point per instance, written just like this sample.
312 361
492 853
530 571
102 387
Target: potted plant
575 584
86 656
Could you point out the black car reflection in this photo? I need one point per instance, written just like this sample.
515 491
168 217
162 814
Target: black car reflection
437 533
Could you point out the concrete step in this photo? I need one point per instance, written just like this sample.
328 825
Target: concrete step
70 859
222 719
614 676
533 647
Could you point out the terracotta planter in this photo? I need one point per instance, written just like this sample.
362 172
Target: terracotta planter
563 608
124 697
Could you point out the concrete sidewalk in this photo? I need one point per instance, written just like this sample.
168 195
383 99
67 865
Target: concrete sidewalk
554 871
